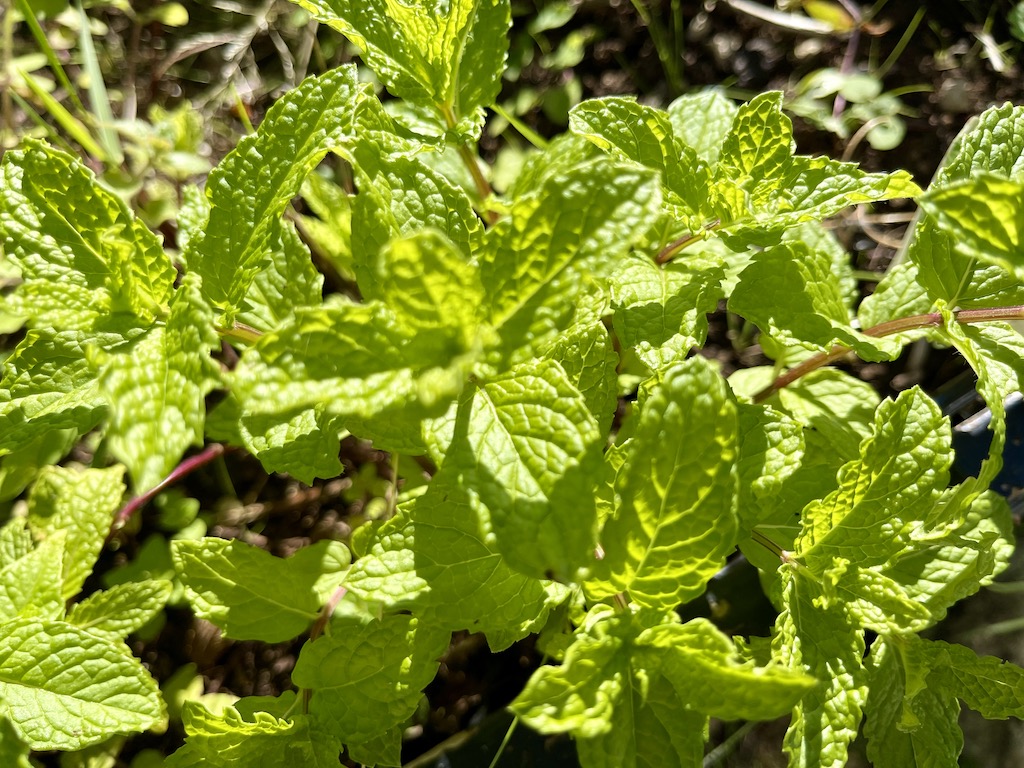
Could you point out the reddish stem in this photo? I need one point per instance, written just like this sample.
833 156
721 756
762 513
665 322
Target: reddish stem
889 328
185 468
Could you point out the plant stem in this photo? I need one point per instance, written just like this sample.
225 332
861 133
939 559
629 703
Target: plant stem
326 612
765 542
889 328
504 742
241 332
185 468
672 250
483 189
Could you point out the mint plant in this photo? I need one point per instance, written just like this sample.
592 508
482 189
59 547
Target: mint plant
495 336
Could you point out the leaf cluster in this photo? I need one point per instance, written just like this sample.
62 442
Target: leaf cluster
494 335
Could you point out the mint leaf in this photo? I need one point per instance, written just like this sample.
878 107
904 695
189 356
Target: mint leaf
15 541
13 751
759 146
662 311
984 217
48 385
438 557
430 285
650 727
329 232
645 136
835 404
447 57
527 444
19 470
703 121
580 695
993 142
260 740
305 444
899 294
156 388
534 261
954 563
875 601
248 196
81 252
587 355
792 294
707 674
117 612
193 215
399 196
249 593
771 446
345 360
902 468
997 379
676 520
820 642
760 188
286 282
928 733
988 146
52 705
30 584
992 687
366 676
78 505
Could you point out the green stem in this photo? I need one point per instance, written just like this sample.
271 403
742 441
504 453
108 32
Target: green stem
504 742
469 159
889 328
765 542
240 332
525 131
672 250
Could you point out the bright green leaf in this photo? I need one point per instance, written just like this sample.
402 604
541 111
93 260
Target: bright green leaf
399 196
117 612
249 593
47 385
822 643
705 670
653 729
792 293
945 568
438 556
579 222
934 739
449 54
366 677
430 285
261 740
80 505
703 121
31 585
64 688
661 311
81 252
676 521
902 468
156 388
527 444
984 217
248 195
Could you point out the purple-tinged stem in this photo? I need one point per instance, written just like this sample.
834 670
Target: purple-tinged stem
185 468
